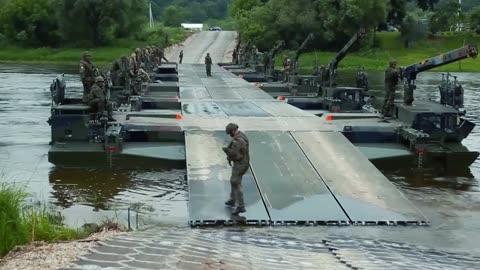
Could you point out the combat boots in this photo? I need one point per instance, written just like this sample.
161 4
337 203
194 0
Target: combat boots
239 210
230 203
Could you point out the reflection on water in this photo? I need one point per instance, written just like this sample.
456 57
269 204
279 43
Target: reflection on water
156 193
85 195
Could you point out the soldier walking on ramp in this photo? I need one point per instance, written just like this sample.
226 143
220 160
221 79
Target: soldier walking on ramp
208 64
181 56
391 81
238 153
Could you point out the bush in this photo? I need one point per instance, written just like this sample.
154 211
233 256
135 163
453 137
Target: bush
21 224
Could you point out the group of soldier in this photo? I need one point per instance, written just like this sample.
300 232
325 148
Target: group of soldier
127 72
130 72
124 70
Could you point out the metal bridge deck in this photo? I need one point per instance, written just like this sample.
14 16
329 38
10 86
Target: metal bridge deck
302 170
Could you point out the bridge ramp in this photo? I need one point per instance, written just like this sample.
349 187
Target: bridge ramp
365 194
291 188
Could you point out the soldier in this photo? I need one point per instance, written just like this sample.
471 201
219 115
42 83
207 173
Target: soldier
391 81
88 72
181 56
235 56
286 70
97 98
208 64
135 61
238 153
142 74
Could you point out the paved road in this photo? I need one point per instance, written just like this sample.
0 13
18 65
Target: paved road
219 44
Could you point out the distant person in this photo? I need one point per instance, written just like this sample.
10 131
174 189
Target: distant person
181 56
88 72
235 56
286 70
97 99
208 64
238 153
391 80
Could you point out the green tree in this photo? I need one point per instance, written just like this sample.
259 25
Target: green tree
474 20
397 11
98 22
173 16
446 17
29 22
238 8
427 4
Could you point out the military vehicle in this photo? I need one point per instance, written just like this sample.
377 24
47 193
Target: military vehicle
261 72
294 82
319 92
431 130
166 72
425 133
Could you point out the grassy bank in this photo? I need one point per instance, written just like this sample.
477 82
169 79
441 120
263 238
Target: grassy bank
21 224
102 56
391 47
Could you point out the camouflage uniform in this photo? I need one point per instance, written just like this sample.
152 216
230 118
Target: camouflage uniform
238 153
235 56
97 99
87 74
208 64
141 77
391 81
286 70
135 61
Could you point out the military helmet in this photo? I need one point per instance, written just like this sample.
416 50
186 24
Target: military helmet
137 50
86 53
99 79
393 62
231 127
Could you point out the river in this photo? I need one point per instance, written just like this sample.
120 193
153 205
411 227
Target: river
451 202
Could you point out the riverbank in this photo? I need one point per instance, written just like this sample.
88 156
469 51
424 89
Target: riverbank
101 56
25 224
392 47
42 255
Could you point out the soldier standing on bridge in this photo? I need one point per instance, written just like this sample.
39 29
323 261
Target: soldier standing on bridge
391 81
235 56
87 74
208 64
181 56
238 153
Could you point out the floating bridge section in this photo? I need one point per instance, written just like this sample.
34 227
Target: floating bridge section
303 171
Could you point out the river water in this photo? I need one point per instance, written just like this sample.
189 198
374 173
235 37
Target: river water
451 202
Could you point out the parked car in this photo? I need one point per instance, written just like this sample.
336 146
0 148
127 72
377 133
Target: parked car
215 28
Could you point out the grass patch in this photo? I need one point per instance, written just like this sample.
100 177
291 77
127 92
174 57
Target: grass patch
21 224
391 47
101 56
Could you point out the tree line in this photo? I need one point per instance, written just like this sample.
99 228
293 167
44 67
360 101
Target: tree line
74 22
334 21
175 12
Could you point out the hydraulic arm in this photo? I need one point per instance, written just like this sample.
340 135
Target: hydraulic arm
270 63
333 65
298 52
409 74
